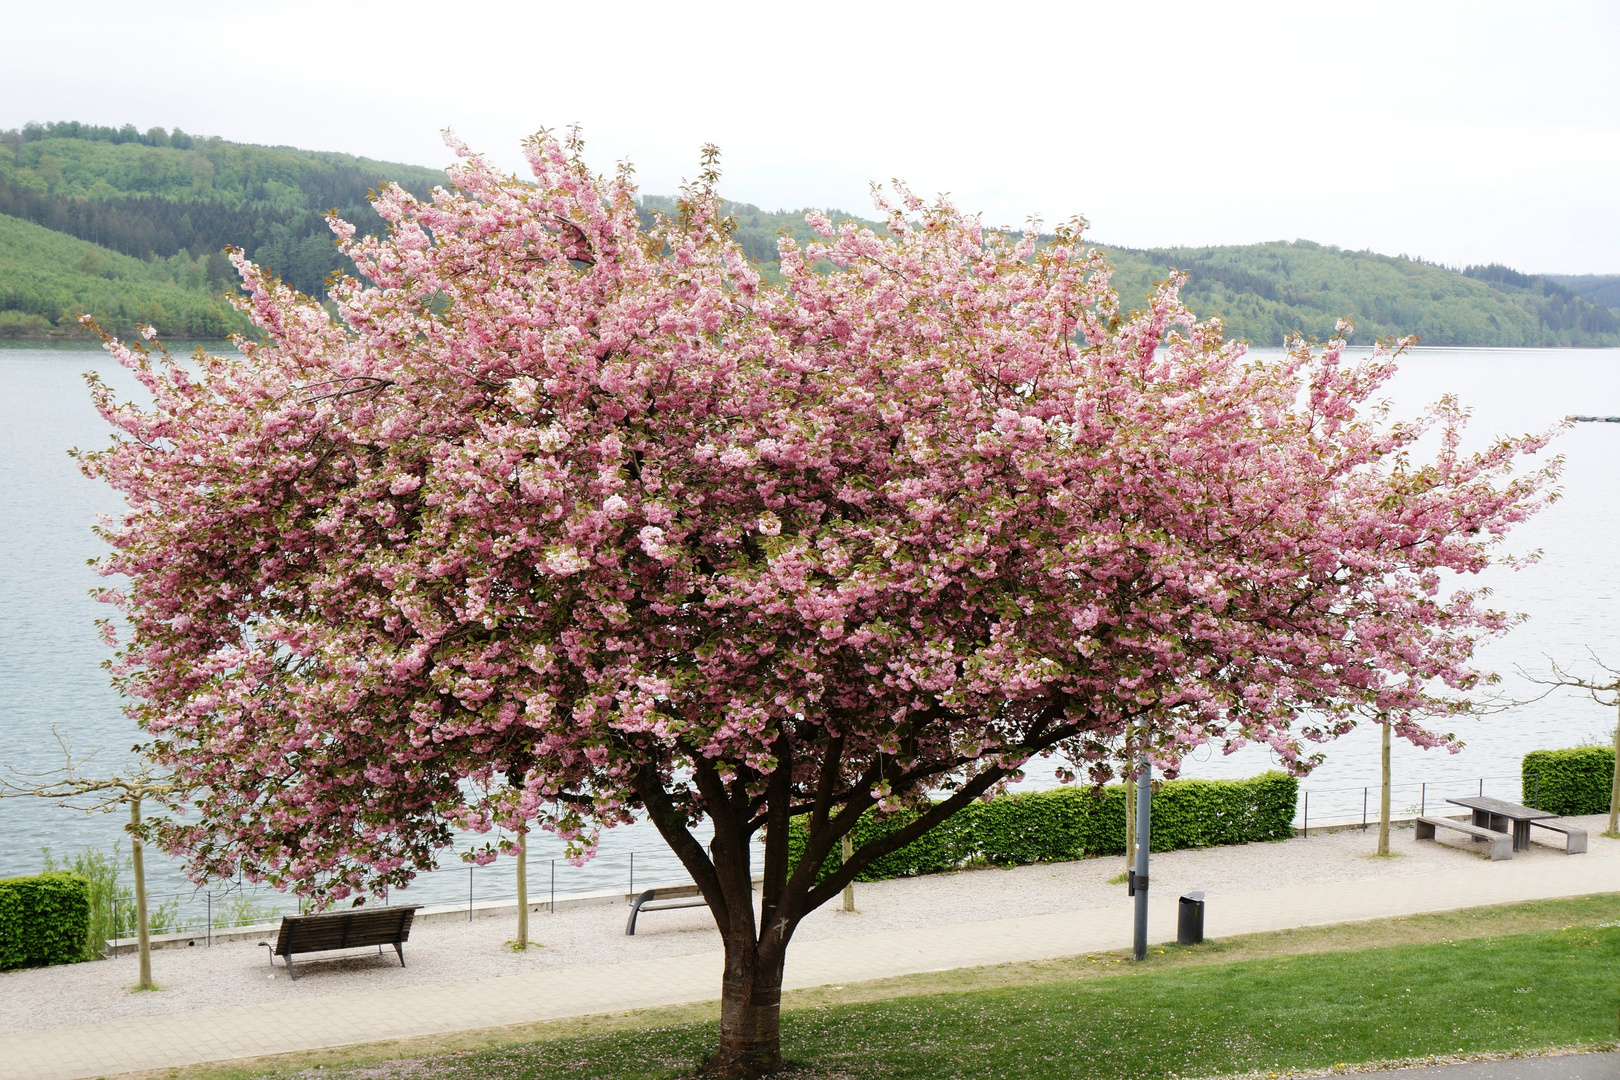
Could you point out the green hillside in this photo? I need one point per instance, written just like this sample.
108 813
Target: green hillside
1599 288
1266 291
166 193
161 204
48 278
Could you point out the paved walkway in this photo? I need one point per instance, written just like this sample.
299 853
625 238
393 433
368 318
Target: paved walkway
1566 1067
407 1012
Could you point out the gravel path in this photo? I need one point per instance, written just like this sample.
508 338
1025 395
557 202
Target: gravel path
237 974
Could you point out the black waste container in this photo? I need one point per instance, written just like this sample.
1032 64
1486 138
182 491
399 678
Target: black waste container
1190 919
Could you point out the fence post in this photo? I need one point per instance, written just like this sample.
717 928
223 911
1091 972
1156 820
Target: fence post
210 919
469 893
1306 831
116 935
554 886
1482 787
1363 809
632 875
1423 802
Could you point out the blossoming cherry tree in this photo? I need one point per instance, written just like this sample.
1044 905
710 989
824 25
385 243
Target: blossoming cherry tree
561 519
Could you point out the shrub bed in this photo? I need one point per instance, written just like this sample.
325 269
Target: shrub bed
1573 781
44 919
1071 823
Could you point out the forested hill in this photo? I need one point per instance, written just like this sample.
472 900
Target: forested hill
129 225
1265 292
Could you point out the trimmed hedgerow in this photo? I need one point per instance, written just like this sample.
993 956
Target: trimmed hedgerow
44 919
1070 823
1573 781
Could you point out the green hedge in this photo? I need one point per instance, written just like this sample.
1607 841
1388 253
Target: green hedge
44 919
1574 781
1071 823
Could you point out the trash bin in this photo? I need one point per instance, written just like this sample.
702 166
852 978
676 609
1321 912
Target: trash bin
1190 919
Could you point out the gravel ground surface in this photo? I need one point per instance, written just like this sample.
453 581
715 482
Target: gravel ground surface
237 973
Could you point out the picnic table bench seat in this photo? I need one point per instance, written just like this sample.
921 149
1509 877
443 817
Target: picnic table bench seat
1501 843
352 929
663 900
1574 835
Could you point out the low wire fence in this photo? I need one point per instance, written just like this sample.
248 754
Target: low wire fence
203 913
200 913
1338 807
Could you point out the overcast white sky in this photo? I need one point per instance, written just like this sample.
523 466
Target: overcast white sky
1463 132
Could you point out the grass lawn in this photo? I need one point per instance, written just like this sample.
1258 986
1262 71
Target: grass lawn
1458 983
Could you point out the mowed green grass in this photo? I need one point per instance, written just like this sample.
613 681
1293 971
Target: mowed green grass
1552 988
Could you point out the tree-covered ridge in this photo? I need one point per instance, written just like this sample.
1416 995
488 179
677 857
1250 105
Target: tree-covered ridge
166 194
159 195
1599 288
47 279
49 158
1265 292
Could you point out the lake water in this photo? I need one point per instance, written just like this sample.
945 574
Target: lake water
50 657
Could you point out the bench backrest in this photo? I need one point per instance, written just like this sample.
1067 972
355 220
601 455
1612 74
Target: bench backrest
352 929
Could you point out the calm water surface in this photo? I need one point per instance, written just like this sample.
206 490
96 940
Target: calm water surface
50 657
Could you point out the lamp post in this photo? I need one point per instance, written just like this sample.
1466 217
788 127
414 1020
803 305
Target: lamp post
1139 875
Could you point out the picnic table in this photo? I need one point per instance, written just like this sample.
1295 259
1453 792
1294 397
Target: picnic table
1495 814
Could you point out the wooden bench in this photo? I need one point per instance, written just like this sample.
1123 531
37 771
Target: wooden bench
1501 842
1574 835
352 929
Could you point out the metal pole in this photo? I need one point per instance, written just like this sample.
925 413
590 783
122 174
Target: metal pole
469 893
210 918
1363 809
1144 797
632 875
1423 805
553 908
1482 787
1306 831
1535 803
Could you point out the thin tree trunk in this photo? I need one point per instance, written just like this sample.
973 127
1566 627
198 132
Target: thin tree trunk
750 1009
849 890
1614 787
1383 798
523 887
143 936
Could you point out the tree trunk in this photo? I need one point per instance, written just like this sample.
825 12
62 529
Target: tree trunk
750 1009
523 887
1383 798
143 936
849 890
1614 787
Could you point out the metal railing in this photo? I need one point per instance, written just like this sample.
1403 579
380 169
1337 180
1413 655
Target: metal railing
201 912
1339 805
